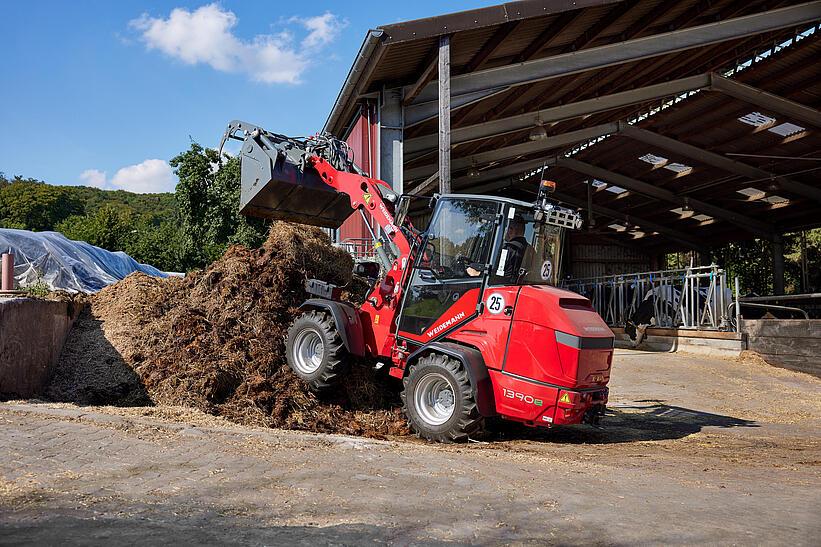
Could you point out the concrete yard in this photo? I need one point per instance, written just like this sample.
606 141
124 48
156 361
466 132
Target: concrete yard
693 450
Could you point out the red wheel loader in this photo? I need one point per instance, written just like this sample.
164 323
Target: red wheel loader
465 312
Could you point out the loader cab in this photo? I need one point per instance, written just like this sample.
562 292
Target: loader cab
474 242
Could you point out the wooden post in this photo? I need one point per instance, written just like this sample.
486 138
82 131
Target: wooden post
444 115
777 247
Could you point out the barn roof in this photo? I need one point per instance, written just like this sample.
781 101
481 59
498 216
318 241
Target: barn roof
683 123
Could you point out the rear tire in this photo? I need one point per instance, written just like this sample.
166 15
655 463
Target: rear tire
315 351
438 400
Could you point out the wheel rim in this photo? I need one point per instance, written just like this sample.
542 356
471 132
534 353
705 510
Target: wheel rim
308 351
435 399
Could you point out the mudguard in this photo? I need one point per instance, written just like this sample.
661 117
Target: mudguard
471 359
347 323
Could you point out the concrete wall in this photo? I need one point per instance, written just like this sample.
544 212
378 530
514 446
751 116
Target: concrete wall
790 343
707 343
32 334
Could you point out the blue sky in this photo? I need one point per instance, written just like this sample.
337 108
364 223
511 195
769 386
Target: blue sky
105 93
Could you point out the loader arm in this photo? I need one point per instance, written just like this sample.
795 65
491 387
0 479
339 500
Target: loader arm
315 181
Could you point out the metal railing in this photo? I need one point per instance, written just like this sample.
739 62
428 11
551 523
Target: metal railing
360 248
690 298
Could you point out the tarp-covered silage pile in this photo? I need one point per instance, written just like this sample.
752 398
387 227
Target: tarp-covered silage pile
64 264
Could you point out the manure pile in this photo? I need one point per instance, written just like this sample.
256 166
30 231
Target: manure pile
214 341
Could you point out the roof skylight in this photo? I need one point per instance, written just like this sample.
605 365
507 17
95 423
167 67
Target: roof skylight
786 129
775 200
679 168
652 159
616 189
752 193
702 218
757 119
617 227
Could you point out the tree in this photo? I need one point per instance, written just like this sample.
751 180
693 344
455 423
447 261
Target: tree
158 246
208 207
110 228
33 205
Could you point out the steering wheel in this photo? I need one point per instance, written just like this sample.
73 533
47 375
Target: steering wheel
462 260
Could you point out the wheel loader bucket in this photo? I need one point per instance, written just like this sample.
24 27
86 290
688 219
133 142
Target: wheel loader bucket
282 190
277 185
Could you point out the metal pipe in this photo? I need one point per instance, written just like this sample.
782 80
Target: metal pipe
774 307
378 248
8 272
737 306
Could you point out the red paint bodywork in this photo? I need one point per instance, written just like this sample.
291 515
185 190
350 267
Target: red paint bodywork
541 371
527 363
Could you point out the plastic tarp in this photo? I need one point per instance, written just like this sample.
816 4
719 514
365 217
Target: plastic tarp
64 264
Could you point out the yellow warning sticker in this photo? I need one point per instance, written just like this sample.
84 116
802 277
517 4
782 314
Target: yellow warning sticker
367 197
565 399
376 319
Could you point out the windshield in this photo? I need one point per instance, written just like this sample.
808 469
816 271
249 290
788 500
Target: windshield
530 251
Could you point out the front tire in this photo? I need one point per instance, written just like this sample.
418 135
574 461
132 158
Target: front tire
315 351
438 400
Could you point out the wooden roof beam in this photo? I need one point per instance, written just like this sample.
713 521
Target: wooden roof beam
489 48
717 160
640 48
431 65
752 225
670 233
517 150
558 113
743 92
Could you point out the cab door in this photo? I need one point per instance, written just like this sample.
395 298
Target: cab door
449 274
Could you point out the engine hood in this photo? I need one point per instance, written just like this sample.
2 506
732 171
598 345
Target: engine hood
560 310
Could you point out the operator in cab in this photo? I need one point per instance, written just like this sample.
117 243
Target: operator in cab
517 246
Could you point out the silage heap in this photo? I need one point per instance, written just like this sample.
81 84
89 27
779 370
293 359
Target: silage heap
214 340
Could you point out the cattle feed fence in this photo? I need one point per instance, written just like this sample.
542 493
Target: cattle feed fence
691 298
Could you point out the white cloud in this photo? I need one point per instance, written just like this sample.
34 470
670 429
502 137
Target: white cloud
205 36
94 177
148 177
322 30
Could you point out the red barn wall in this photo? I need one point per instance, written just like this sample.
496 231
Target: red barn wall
364 142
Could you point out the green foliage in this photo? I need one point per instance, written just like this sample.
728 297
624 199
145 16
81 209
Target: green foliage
173 232
38 289
29 204
33 205
752 262
159 246
793 270
109 227
208 207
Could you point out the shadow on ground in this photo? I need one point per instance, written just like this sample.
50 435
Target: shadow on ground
85 380
67 529
646 420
